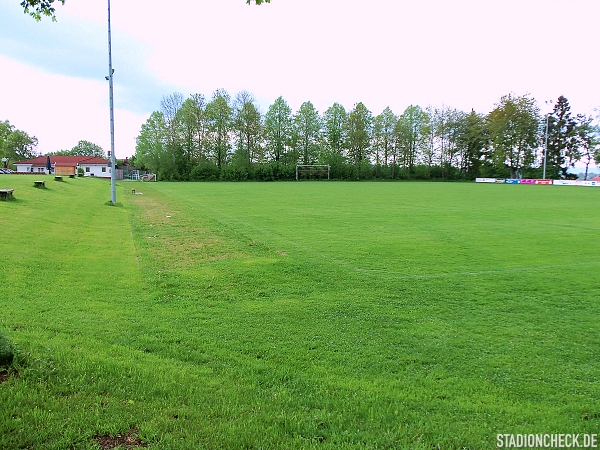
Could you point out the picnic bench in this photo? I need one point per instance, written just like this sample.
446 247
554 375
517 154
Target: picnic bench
6 194
71 175
58 178
39 183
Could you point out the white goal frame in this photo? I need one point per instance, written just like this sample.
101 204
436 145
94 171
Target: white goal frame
312 168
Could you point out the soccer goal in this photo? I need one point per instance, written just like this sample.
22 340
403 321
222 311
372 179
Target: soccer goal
312 170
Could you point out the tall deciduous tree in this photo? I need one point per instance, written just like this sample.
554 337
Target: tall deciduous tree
588 140
16 144
513 126
307 133
444 129
360 125
409 132
87 148
383 135
334 136
472 142
219 116
170 106
335 129
150 144
192 119
248 127
278 129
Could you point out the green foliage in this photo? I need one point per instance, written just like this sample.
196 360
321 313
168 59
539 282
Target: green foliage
16 145
335 128
207 171
150 150
383 137
39 8
563 144
87 148
409 133
278 129
452 143
514 132
83 148
360 122
219 115
472 141
248 127
306 134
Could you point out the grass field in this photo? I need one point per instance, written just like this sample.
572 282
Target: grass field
299 315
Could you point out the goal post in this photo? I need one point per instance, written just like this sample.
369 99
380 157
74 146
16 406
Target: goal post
312 169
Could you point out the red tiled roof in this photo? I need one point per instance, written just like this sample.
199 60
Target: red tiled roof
69 161
94 160
596 179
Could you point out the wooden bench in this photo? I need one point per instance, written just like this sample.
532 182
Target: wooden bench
39 183
71 176
6 194
58 178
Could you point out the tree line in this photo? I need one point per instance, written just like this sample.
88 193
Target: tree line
82 148
224 138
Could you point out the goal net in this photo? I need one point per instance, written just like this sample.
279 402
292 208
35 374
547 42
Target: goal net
311 171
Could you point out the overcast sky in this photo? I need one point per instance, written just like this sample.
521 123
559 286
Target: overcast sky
459 53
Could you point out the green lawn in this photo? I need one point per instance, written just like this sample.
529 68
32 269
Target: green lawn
299 315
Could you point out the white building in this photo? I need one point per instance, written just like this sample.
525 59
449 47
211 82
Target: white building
66 165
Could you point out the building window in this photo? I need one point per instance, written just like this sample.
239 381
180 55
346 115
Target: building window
104 169
87 169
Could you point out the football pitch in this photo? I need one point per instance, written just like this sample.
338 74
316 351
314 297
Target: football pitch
299 314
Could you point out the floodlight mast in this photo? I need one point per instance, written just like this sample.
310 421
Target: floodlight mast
546 143
113 172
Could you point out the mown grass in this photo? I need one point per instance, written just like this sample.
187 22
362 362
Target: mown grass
299 315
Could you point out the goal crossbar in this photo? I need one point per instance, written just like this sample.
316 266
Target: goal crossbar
312 168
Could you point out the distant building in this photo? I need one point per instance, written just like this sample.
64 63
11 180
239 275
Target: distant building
66 165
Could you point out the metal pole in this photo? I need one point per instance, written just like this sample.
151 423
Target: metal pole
546 147
113 172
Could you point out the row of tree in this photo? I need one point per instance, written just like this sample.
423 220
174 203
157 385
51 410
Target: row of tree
82 148
197 138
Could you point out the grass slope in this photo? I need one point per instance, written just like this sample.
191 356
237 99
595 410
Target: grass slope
299 315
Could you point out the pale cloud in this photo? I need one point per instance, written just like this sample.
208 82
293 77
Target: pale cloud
61 110
463 53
